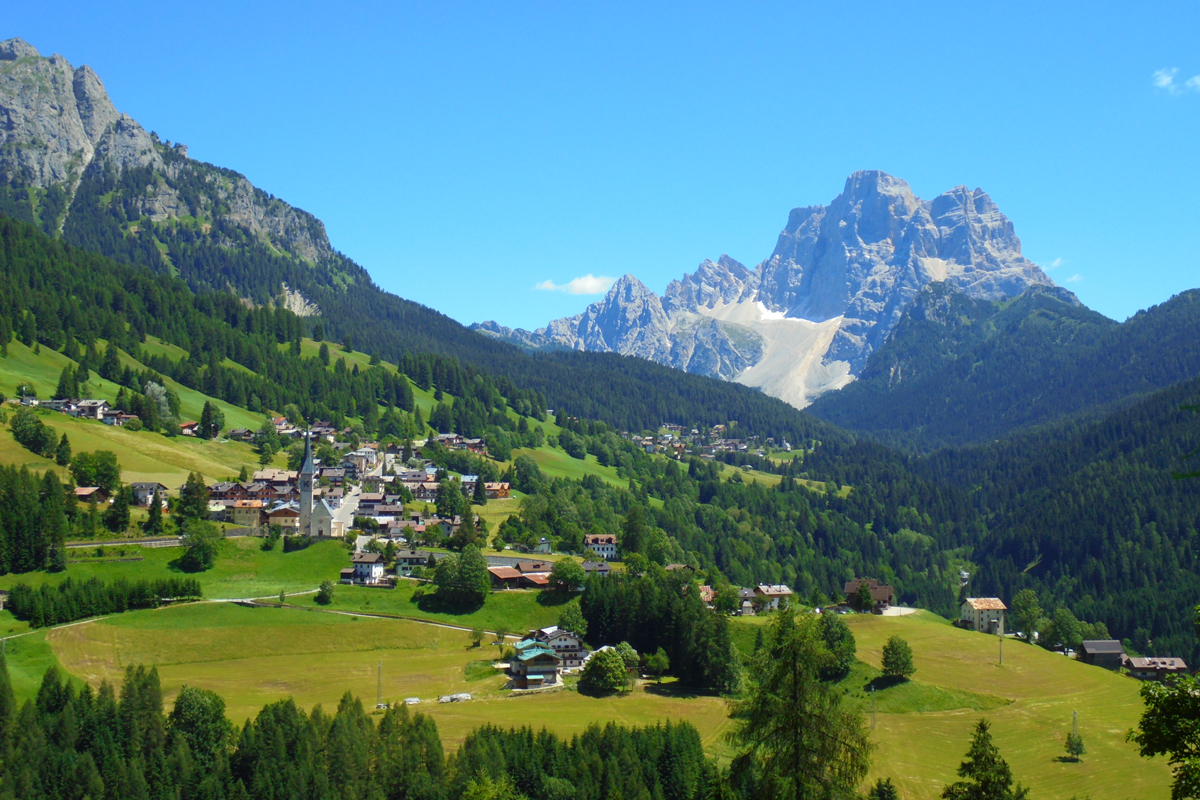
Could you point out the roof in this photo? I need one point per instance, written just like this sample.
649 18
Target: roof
986 604
530 653
504 573
1155 662
1101 646
367 558
86 491
774 590
539 579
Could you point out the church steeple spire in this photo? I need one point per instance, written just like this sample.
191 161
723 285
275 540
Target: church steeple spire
306 487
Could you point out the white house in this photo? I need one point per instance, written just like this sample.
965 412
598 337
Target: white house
603 545
368 567
983 614
774 594
566 645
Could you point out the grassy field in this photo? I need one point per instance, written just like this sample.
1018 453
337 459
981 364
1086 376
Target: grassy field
241 570
557 464
256 656
517 611
921 749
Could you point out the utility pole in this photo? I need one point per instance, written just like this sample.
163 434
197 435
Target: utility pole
1075 722
872 706
379 688
1001 641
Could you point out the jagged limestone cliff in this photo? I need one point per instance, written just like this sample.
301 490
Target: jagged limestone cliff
805 320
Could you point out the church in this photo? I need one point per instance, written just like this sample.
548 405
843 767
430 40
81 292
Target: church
316 517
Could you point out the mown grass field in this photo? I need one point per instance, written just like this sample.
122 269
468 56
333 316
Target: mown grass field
517 611
256 656
241 570
920 750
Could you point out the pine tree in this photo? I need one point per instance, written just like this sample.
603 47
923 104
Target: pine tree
67 387
193 500
110 366
62 453
479 495
786 716
153 526
989 776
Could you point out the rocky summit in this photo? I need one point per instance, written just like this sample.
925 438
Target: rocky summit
805 320
74 166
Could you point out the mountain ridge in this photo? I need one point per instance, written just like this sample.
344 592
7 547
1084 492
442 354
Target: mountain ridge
805 320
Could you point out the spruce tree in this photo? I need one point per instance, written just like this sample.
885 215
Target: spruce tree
62 453
153 526
988 775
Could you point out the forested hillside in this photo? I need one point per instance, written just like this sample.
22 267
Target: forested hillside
956 370
1091 516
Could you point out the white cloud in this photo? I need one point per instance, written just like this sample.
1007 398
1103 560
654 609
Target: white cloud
1056 263
1165 79
586 284
1076 278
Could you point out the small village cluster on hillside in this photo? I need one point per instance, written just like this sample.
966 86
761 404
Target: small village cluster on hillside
379 498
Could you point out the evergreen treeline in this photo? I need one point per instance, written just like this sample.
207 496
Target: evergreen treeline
1091 517
33 521
72 600
103 745
64 298
957 370
663 609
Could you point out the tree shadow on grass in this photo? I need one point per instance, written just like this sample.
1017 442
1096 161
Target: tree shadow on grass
550 597
434 604
676 690
1068 760
884 682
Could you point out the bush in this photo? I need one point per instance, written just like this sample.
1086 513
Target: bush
897 658
325 593
604 673
292 544
201 539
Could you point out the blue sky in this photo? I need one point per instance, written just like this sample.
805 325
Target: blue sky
465 153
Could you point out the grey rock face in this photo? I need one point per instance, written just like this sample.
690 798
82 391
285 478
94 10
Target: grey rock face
851 267
58 127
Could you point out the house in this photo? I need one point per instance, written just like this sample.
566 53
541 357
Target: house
247 513
407 560
600 568
218 510
88 494
1107 653
535 580
91 409
602 544
504 577
497 491
143 492
707 595
983 614
525 567
286 516
334 475
565 644
774 595
189 428
111 417
882 595
427 491
534 666
241 434
227 490
1154 668
368 568
746 602
543 547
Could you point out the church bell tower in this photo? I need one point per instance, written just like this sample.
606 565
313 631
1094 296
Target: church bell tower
307 478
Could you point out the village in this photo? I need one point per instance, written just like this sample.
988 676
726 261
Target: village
380 502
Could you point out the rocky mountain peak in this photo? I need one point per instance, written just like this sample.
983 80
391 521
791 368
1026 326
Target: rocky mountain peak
12 49
805 320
